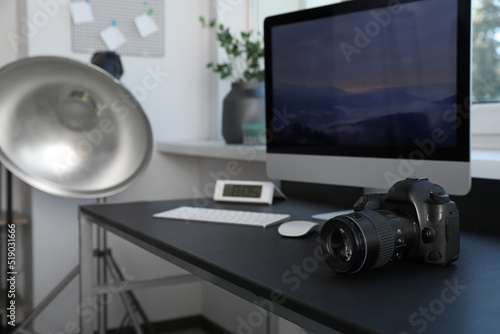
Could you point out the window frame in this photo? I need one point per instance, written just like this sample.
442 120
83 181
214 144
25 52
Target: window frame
484 121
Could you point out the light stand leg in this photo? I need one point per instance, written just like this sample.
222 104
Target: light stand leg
131 304
48 299
3 257
85 310
9 220
101 279
102 245
129 300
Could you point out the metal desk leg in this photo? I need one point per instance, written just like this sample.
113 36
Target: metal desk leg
102 246
102 280
87 311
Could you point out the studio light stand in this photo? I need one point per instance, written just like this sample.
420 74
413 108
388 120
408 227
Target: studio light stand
71 129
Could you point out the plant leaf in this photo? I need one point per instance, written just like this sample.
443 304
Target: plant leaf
244 54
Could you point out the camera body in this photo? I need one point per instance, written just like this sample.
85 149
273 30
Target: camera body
436 216
415 219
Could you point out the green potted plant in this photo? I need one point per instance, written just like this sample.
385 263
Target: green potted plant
245 67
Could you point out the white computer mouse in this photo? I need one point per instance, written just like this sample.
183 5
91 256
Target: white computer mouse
296 228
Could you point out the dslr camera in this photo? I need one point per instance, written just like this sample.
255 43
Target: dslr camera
416 220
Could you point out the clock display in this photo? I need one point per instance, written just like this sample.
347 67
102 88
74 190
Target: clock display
245 191
240 190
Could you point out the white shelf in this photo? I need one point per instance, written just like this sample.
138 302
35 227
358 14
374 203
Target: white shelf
485 164
214 149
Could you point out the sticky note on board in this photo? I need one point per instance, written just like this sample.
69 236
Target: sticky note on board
146 25
81 12
113 38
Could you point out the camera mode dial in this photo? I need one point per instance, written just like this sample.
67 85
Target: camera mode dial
440 197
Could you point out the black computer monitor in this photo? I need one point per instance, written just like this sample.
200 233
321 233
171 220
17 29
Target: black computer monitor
366 93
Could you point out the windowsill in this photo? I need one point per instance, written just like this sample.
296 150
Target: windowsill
214 149
485 164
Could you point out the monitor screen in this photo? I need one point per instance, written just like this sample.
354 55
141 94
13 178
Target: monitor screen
366 93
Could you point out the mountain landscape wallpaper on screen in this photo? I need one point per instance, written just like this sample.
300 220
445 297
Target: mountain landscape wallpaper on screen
328 115
374 78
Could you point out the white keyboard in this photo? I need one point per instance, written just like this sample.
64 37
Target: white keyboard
248 218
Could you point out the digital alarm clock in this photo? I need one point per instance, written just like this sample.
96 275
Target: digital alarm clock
245 191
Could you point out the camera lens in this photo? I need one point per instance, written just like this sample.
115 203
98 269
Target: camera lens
341 245
366 239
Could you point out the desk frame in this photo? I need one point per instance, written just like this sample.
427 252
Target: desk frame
90 291
88 272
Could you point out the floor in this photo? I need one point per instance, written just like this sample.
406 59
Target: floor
191 325
183 331
190 331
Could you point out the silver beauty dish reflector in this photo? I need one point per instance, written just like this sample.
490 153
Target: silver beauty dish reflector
70 129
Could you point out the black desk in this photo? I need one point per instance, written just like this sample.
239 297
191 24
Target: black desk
260 265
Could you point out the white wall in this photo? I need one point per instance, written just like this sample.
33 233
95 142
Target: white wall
8 24
177 109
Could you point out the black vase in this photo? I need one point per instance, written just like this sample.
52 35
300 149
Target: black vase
244 104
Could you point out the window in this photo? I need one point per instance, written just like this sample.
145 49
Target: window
485 76
266 8
486 48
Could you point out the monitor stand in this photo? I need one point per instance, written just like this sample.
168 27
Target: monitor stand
327 215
